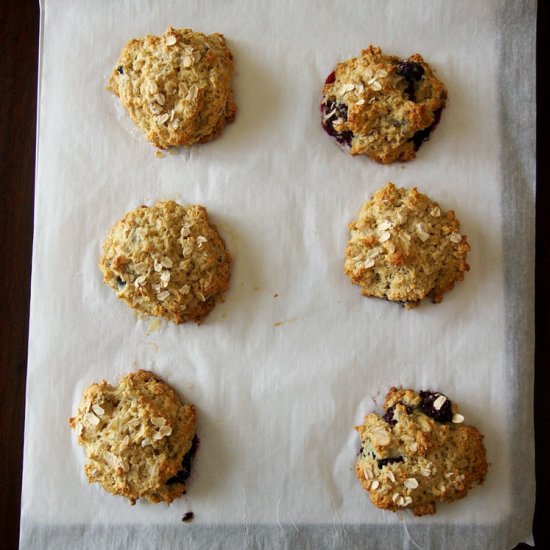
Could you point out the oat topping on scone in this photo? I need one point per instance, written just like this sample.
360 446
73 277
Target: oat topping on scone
138 436
418 453
404 247
177 86
167 261
382 106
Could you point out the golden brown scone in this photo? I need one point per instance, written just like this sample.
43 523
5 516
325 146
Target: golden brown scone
382 106
403 247
138 436
418 453
176 87
167 261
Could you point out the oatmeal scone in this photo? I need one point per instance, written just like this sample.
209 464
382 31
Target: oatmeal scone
403 247
177 86
167 261
382 106
138 436
419 453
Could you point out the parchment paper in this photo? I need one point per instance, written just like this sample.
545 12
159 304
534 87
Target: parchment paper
283 370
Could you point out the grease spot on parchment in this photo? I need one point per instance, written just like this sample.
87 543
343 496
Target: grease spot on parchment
154 326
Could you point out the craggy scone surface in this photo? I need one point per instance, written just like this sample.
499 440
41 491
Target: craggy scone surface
176 87
167 261
418 453
137 437
403 247
382 106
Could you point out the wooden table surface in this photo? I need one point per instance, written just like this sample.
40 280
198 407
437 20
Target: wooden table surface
19 23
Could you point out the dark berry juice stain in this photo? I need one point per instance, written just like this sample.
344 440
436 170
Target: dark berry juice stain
331 78
185 471
412 72
338 110
390 460
188 517
424 135
444 414
120 69
388 416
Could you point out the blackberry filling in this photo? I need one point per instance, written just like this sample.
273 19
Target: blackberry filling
424 135
412 72
336 111
120 69
188 517
390 460
443 414
388 416
120 283
331 78
185 471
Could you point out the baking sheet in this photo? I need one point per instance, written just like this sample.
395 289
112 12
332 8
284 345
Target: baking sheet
282 371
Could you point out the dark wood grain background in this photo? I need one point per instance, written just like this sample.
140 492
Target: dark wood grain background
19 26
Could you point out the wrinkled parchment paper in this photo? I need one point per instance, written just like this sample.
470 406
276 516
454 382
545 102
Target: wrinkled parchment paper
295 357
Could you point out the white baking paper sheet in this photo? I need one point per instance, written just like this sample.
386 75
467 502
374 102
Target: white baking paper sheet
282 371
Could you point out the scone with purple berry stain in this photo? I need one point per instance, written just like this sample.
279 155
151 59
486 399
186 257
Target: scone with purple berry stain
139 437
419 453
382 106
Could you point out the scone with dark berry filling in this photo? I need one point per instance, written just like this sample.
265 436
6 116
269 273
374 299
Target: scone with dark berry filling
419 453
139 437
382 106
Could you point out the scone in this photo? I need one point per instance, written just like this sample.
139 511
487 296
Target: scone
403 247
176 87
418 453
167 261
138 436
382 106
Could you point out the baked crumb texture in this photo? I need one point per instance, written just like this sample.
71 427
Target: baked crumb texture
382 106
138 436
419 453
403 247
176 87
167 261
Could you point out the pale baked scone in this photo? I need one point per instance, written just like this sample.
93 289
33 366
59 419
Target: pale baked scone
382 106
403 247
418 453
177 86
138 436
168 261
